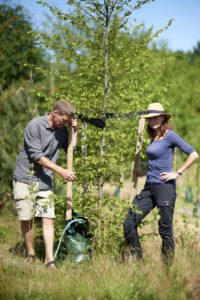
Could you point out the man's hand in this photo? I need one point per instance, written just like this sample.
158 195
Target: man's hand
74 123
67 175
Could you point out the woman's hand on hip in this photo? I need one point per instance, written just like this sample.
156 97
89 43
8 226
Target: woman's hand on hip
165 176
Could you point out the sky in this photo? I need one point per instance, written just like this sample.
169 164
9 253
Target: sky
183 34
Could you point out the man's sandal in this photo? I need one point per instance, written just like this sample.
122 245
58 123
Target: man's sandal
30 259
51 265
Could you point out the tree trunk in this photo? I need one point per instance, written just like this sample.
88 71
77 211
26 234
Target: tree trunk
84 156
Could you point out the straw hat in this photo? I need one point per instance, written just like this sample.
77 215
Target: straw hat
155 109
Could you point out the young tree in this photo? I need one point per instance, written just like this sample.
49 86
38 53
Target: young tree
105 67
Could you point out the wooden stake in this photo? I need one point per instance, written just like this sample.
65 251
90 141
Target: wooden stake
70 168
137 158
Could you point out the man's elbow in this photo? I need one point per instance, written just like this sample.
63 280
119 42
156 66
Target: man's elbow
36 157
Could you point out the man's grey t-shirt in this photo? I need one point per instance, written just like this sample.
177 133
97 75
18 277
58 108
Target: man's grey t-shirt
40 139
160 155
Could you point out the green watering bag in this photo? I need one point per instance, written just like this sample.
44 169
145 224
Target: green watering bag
74 244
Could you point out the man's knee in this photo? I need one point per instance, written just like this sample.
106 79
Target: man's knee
47 221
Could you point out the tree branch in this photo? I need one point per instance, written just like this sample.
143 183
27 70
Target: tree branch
112 8
93 17
100 11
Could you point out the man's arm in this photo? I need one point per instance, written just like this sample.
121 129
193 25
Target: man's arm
33 143
66 174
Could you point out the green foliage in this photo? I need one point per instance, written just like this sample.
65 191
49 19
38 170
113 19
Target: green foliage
80 42
17 45
195 53
3 234
105 221
102 66
183 94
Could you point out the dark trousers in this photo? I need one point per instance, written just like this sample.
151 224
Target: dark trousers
162 196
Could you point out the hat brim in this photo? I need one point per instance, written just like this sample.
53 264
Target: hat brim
155 115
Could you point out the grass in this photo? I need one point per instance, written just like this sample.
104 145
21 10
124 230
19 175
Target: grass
83 282
104 277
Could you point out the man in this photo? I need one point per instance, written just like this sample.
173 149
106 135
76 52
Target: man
33 174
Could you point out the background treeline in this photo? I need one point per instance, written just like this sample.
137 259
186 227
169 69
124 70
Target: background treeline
103 66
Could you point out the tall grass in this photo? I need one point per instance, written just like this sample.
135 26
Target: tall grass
104 277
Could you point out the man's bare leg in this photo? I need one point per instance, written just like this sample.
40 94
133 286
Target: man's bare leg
48 233
27 232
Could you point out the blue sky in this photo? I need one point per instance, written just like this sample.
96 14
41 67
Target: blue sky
182 35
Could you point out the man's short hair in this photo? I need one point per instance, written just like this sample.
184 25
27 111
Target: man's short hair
64 107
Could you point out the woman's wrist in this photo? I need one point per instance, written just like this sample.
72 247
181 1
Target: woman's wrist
179 172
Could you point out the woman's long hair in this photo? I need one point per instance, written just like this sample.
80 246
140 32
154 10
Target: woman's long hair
165 125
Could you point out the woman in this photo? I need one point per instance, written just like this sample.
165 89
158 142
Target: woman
160 186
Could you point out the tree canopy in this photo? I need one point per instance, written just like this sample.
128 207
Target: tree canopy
17 45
